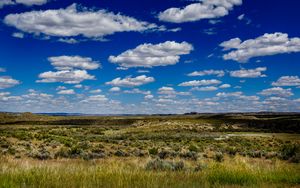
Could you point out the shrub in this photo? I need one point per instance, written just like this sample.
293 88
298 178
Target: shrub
162 165
219 157
200 167
231 151
153 151
163 154
42 154
193 148
270 155
290 151
121 153
63 153
189 155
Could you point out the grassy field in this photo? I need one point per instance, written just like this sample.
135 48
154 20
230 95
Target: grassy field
150 151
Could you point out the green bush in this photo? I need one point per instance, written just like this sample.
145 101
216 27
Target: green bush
290 152
153 151
193 147
219 157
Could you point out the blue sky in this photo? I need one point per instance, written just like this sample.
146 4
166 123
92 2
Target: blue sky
175 56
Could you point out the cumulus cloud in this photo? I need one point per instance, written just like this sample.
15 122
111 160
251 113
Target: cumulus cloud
287 81
71 62
200 82
137 91
65 76
232 94
66 92
238 95
277 91
60 88
206 88
171 92
96 91
24 2
95 99
31 2
249 73
131 82
68 72
218 73
5 97
150 55
18 35
71 22
148 97
266 45
223 86
6 2
205 9
115 89
8 82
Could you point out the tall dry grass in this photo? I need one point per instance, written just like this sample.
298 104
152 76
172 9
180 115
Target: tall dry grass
131 172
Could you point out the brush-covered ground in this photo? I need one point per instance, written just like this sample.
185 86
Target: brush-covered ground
224 150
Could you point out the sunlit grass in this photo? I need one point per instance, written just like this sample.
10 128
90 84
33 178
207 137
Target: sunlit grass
131 172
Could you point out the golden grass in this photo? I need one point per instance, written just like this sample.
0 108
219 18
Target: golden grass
130 172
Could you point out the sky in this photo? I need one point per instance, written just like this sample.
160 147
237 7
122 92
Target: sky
150 56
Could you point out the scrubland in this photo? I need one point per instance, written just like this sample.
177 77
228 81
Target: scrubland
227 150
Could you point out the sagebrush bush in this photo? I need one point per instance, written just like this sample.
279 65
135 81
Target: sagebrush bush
153 151
219 157
161 165
290 152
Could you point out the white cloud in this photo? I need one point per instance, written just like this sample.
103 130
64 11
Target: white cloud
2 69
31 2
166 90
131 82
240 17
232 94
171 92
65 76
71 62
207 88
266 45
5 97
249 73
96 91
277 91
147 97
78 86
8 82
150 55
72 22
238 95
287 81
6 2
143 71
200 82
61 88
223 86
18 35
66 92
115 89
95 99
24 2
137 91
68 40
218 73
205 9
